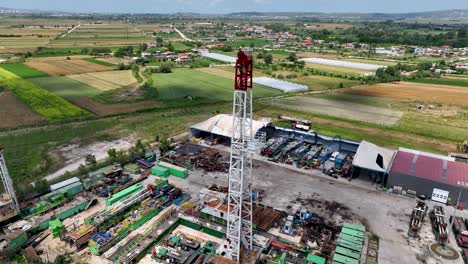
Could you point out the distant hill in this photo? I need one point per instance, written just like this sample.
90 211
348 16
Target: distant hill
455 14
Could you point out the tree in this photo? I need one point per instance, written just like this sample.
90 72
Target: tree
143 47
112 154
170 47
159 40
300 64
268 58
91 160
462 33
292 57
165 68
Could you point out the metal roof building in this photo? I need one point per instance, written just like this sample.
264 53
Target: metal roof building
422 172
63 184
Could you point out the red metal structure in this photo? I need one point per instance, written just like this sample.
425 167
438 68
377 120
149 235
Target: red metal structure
244 71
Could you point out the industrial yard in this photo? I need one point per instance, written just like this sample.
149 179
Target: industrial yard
252 138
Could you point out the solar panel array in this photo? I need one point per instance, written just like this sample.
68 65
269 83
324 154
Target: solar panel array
344 64
287 87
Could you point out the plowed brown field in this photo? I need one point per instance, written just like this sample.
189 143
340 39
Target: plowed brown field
415 91
62 66
13 113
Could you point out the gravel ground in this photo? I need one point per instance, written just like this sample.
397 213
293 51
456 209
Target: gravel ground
386 215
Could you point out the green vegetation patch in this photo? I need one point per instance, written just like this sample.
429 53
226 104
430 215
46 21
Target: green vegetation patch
316 82
29 152
66 88
22 70
442 81
96 61
41 101
184 83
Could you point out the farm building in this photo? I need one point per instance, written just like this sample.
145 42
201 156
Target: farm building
423 172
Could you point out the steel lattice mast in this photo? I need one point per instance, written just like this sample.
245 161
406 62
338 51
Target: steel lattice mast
7 182
239 222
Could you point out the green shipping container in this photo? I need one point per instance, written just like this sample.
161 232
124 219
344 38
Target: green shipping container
72 211
174 170
73 189
124 193
17 240
160 171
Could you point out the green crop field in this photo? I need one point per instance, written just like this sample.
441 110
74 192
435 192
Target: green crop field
66 88
180 46
442 81
316 82
200 85
248 43
94 60
22 70
41 101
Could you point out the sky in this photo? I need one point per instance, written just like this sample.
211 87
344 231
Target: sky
229 6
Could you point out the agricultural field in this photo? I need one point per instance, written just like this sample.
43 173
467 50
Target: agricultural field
14 113
41 101
100 62
109 35
183 83
382 62
317 82
22 44
22 70
327 26
226 72
114 60
415 91
336 70
101 109
61 66
105 81
66 88
452 81
341 109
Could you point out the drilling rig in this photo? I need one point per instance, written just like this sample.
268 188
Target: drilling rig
239 221
9 206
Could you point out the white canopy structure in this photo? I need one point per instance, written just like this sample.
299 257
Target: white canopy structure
372 157
219 57
344 64
287 87
222 125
